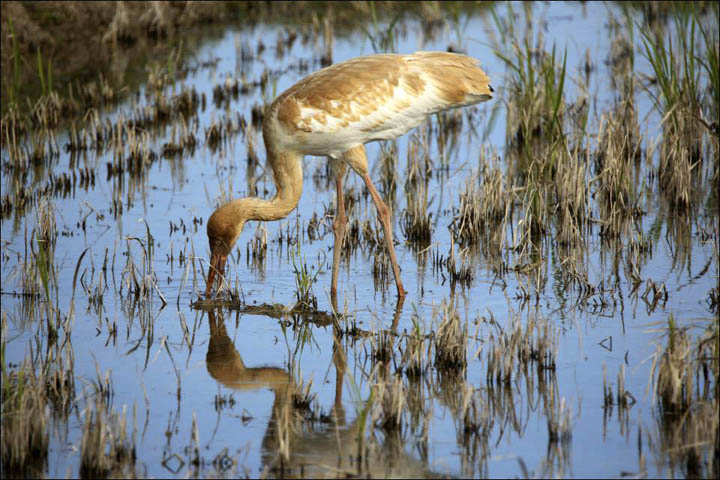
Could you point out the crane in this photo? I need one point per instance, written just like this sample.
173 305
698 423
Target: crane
334 112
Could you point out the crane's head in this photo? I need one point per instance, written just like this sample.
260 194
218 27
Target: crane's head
223 229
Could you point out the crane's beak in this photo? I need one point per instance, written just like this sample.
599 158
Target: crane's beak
217 266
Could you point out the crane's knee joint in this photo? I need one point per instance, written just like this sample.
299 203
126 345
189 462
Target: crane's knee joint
339 223
382 208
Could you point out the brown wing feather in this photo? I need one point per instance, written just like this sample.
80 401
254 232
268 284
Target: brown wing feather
366 82
458 77
360 81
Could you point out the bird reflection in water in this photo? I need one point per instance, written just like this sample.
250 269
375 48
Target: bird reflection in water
295 446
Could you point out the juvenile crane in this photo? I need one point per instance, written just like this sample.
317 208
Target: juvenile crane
333 112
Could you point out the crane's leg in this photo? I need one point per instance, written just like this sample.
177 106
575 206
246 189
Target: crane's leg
357 159
338 228
384 214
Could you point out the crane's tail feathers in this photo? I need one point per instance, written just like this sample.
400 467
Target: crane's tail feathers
458 78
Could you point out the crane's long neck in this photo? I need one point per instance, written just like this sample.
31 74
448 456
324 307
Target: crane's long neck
287 173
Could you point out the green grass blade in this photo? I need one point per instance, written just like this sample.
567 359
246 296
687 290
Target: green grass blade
562 84
40 71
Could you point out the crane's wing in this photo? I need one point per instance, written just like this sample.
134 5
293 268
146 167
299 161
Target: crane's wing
381 96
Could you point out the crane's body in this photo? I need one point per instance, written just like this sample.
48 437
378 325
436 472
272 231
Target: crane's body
378 97
334 112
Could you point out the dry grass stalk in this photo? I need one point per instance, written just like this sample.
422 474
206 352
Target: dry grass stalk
416 222
388 411
25 436
616 162
105 446
676 367
483 214
473 433
688 442
256 249
674 381
685 378
450 340
558 418
60 386
388 172
679 165
415 359
500 359
518 346
572 201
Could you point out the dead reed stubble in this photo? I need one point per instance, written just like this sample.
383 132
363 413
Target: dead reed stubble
450 340
685 378
25 435
106 447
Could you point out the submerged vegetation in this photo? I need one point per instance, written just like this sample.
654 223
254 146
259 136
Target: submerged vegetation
593 215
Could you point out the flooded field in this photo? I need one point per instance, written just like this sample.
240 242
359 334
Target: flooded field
558 243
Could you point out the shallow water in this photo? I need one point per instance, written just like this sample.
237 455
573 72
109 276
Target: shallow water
171 390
